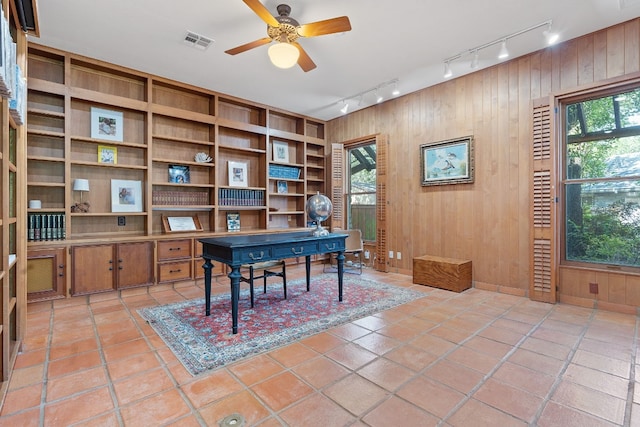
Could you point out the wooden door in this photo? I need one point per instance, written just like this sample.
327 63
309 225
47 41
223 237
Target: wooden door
93 269
134 264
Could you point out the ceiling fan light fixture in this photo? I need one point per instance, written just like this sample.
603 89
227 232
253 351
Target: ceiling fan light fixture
283 55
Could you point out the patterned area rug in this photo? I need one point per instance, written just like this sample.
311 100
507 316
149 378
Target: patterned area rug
206 342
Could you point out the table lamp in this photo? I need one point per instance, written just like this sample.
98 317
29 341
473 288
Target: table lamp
81 185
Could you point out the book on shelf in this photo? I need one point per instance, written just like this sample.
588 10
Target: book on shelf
233 221
46 226
179 174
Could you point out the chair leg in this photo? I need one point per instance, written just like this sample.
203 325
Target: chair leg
251 284
284 278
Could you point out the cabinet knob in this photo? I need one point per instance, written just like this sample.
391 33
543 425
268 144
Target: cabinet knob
119 260
110 261
61 266
60 275
110 268
120 268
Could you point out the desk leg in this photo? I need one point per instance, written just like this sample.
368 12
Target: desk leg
207 286
235 295
307 263
340 259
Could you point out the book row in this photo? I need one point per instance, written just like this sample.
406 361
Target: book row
51 226
180 198
279 171
239 197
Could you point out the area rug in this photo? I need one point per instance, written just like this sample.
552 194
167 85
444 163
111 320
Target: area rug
206 342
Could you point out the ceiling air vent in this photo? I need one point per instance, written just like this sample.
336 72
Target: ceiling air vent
197 41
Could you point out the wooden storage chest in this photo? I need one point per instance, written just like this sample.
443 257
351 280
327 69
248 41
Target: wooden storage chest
445 273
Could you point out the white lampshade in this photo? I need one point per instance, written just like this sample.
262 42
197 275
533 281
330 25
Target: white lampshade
283 55
81 185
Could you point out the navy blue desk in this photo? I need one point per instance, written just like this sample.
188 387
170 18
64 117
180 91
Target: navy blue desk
246 249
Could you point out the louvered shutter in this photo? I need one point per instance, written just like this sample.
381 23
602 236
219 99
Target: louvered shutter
542 285
381 204
337 219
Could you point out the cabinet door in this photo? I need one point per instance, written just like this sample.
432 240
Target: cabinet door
135 264
46 274
93 269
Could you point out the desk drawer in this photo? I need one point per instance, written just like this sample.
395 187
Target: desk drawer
292 250
174 271
174 249
249 256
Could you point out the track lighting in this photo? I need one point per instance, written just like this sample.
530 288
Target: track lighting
550 36
474 62
362 97
504 52
395 92
447 70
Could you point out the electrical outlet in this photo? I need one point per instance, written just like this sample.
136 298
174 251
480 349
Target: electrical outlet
398 255
366 254
390 254
593 288
122 221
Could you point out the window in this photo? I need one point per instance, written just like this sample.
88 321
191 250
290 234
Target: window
601 180
361 190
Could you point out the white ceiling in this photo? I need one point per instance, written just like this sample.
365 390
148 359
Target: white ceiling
406 40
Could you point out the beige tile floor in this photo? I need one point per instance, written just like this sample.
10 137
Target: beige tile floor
472 359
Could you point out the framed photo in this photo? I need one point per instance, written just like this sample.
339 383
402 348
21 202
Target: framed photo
280 152
238 174
126 196
106 124
107 154
283 187
447 162
179 174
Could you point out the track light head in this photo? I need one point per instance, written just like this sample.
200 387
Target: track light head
345 108
504 52
395 91
474 61
447 70
551 37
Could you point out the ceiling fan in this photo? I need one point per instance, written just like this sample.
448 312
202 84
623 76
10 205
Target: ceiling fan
284 31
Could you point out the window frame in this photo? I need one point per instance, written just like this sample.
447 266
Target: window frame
563 181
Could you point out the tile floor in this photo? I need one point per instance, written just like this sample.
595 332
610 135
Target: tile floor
471 359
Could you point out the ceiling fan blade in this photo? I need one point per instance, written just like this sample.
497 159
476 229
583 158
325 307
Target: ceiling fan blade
304 61
262 12
328 26
246 47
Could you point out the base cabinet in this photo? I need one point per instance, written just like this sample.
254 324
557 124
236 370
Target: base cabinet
102 268
46 274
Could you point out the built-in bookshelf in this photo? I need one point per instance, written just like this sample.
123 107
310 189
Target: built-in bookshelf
172 149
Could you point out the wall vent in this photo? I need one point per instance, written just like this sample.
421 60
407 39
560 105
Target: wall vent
197 41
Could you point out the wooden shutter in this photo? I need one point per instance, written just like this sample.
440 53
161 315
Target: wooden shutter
542 285
337 219
381 204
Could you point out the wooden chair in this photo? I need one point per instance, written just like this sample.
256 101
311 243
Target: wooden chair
268 269
353 248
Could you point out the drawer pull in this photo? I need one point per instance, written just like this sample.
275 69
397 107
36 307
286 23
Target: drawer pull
175 249
256 258
175 271
297 252
330 248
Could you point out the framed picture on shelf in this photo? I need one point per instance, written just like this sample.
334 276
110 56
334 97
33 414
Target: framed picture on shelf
283 187
233 221
107 154
280 152
106 124
238 174
447 162
179 174
126 196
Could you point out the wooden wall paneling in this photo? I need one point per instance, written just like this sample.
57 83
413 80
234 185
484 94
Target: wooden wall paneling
615 55
599 55
632 47
632 286
585 62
